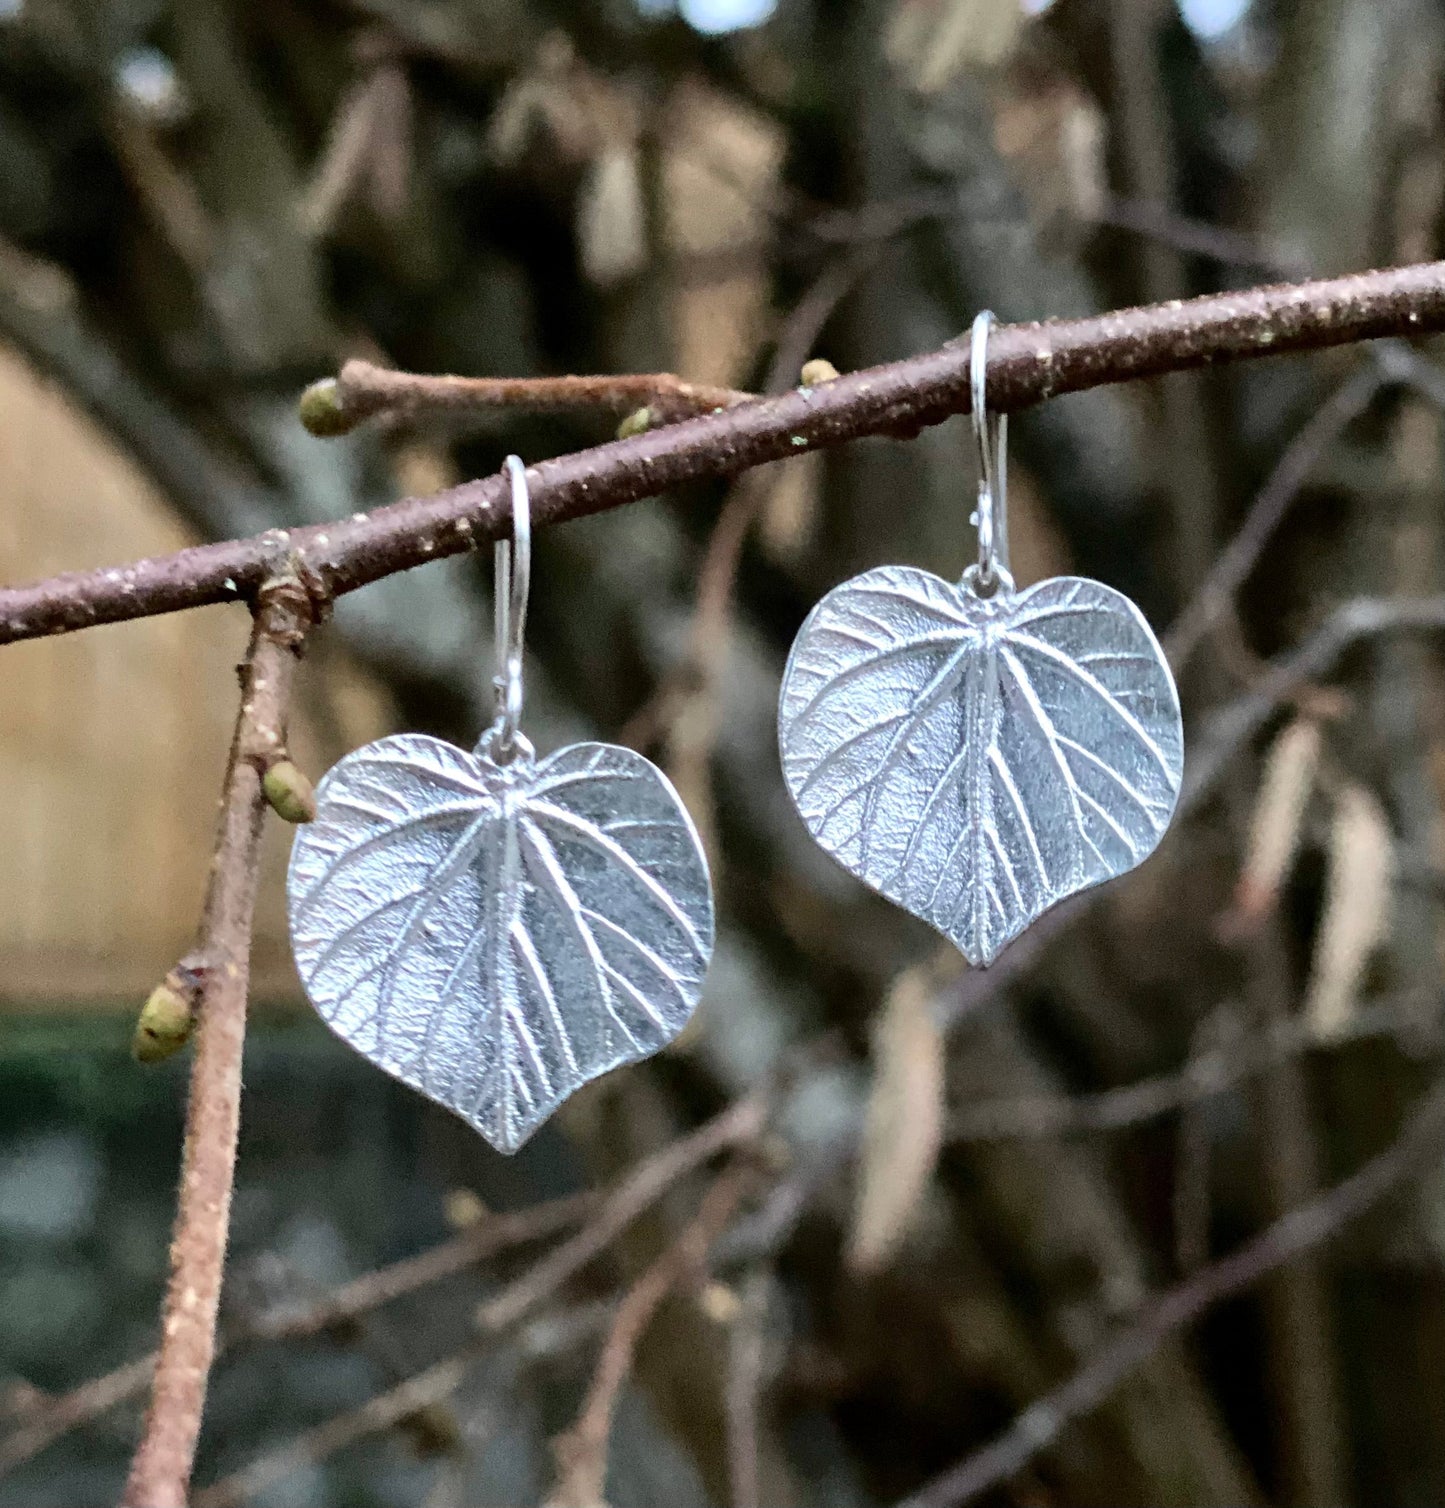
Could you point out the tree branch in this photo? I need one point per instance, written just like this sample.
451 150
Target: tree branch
1299 1231
738 1125
1208 1072
611 1213
160 1473
1215 596
413 1396
361 391
1028 364
291 1321
582 1450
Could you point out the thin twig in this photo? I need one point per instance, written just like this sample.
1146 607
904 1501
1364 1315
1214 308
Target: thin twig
422 1391
373 1289
291 1321
1028 364
1207 1073
696 675
362 391
161 1470
738 1125
799 332
1350 624
641 1187
1216 593
58 1415
1143 217
553 1335
582 1450
1299 1231
746 1350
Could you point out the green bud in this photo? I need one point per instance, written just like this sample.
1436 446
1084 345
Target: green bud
638 422
322 411
165 1021
291 794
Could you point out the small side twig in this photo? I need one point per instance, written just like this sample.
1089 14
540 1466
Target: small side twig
292 1321
643 1185
160 1472
738 1125
422 1391
582 1450
67 1411
362 391
1216 592
1349 624
373 1289
1287 1238
412 1398
1208 1072
746 1354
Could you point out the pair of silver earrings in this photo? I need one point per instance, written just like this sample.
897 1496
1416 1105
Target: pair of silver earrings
496 930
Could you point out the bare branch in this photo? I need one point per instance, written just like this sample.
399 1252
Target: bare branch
1293 1234
373 1289
361 391
582 1451
648 1181
736 1126
1301 456
421 1391
740 1124
90 1400
161 1471
1028 364
1351 623
1208 1072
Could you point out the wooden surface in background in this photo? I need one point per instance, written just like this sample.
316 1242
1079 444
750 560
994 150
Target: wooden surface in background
112 742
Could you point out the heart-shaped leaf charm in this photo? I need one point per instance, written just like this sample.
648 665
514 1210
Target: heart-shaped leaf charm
495 935
978 759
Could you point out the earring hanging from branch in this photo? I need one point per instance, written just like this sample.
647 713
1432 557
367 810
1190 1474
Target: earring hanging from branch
491 929
973 752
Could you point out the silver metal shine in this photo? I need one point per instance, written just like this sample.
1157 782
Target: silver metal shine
973 752
990 434
492 929
978 759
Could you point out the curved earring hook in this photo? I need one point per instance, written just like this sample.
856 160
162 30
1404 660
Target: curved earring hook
990 433
512 583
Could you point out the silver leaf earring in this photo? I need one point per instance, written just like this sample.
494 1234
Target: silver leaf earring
974 752
492 929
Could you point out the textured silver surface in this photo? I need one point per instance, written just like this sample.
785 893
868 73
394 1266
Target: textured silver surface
977 760
497 935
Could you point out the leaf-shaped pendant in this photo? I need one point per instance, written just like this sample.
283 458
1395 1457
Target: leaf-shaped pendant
497 934
977 759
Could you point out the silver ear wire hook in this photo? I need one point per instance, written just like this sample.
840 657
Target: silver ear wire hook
512 583
990 433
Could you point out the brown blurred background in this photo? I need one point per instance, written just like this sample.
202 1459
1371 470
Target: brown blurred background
206 205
